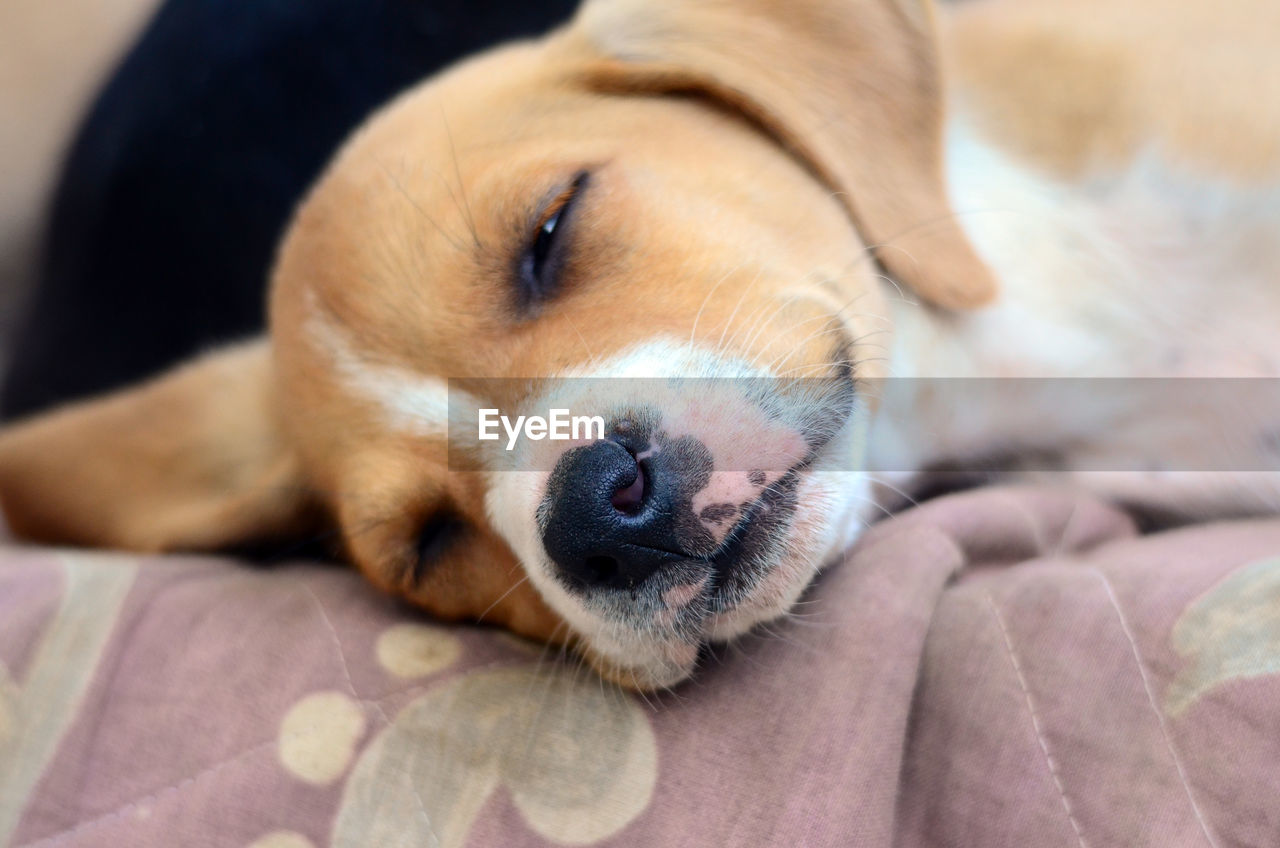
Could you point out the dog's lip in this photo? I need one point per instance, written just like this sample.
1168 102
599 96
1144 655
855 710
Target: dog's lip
704 595
725 559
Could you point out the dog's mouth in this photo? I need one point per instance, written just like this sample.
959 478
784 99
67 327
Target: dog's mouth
683 523
676 617
749 549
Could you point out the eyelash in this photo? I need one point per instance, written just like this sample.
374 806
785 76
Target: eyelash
543 259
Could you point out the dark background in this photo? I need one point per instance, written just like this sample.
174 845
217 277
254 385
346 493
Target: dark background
182 175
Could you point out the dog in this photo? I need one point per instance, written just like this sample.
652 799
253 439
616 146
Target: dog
715 228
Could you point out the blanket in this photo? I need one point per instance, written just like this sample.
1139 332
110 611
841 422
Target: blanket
1006 667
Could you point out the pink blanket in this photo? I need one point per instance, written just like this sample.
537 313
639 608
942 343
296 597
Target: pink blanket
1002 668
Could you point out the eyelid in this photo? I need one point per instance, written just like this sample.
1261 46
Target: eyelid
540 262
557 204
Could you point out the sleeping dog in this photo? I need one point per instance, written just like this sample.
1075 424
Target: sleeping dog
713 229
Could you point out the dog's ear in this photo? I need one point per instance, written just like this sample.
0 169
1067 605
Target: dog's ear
192 460
851 87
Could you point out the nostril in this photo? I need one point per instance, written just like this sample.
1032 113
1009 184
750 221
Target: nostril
601 569
629 497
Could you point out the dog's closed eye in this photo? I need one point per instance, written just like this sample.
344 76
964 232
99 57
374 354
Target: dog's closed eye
542 261
438 533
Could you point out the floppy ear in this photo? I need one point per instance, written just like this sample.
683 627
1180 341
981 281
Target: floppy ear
191 460
851 87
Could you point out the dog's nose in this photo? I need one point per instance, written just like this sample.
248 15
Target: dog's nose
606 525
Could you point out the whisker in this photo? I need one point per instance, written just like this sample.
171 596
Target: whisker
457 172
720 345
502 597
594 359
399 186
891 487
698 316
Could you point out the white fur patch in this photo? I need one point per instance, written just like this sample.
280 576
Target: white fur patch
1152 270
1121 274
666 356
409 403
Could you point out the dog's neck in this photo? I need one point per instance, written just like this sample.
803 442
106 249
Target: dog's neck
1153 271
1057 312
1064 287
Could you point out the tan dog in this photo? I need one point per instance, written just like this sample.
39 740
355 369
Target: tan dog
704 189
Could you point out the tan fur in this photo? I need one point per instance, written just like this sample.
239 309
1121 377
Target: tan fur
1083 86
828 79
191 460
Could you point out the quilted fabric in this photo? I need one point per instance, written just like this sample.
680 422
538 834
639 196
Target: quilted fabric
1001 668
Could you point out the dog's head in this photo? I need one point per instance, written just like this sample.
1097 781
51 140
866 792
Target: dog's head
671 217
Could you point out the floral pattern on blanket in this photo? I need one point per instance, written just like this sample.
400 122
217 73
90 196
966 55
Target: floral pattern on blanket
1001 668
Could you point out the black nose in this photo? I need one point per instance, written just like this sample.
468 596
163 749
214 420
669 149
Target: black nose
606 524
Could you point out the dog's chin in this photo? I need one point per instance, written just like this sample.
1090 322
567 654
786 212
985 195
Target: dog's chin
668 664
649 660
